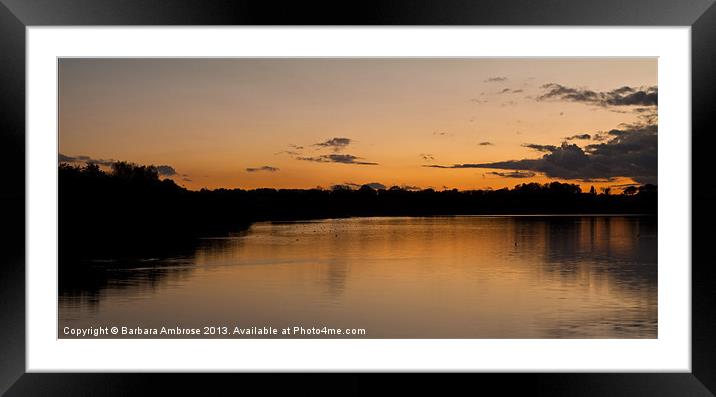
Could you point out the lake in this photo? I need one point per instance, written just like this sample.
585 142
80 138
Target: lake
394 277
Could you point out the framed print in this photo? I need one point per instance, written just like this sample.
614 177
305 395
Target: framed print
509 191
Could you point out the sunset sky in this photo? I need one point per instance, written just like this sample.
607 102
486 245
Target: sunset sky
467 123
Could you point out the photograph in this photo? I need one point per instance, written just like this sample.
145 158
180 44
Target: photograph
357 197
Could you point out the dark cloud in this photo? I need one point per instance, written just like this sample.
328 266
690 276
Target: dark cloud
337 158
336 144
186 179
406 187
343 187
375 185
356 186
629 152
495 79
624 96
486 144
84 159
578 136
514 174
510 91
540 148
266 168
165 170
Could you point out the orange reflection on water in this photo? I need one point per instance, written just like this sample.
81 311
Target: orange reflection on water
434 277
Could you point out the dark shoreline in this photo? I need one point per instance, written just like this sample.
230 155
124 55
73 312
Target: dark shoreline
130 211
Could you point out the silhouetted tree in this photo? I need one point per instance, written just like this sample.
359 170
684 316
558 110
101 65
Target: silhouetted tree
130 207
630 190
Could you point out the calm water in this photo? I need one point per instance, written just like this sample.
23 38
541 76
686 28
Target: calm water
434 277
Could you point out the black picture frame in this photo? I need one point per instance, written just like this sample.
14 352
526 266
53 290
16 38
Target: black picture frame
16 15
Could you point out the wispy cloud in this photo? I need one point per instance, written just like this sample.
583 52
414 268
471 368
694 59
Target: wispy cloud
337 158
166 170
266 168
496 79
356 186
623 96
486 144
540 148
578 136
288 152
337 144
513 174
510 91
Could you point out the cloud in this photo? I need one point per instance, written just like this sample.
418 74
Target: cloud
578 136
486 144
297 147
630 152
375 185
623 96
496 79
336 144
165 170
337 158
514 174
647 115
427 156
186 179
85 159
266 168
288 152
343 187
510 91
540 148
356 186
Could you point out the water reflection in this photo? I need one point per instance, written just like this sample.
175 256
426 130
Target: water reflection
435 277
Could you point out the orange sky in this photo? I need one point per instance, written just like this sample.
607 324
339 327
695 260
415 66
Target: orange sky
217 122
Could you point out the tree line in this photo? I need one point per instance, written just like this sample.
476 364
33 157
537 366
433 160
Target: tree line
130 206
